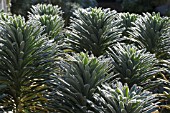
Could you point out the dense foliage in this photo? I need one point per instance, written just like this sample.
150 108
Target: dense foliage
95 26
26 59
116 98
103 62
133 66
21 7
49 17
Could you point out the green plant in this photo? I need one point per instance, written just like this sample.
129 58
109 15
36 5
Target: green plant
133 66
93 30
69 6
164 96
49 18
82 76
45 9
117 98
26 61
127 20
151 31
52 25
167 95
4 16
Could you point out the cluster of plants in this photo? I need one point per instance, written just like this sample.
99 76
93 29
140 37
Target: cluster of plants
103 62
21 7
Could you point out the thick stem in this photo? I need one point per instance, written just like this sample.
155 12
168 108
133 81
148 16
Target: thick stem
18 105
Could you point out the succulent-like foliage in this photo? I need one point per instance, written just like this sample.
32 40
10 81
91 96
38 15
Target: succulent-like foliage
43 9
164 46
72 90
165 96
32 82
52 25
49 18
26 61
149 30
4 16
131 65
93 30
69 6
117 98
127 20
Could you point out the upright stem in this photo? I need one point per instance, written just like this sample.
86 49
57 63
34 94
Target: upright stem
8 5
18 105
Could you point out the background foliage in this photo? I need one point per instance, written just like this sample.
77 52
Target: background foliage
102 62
